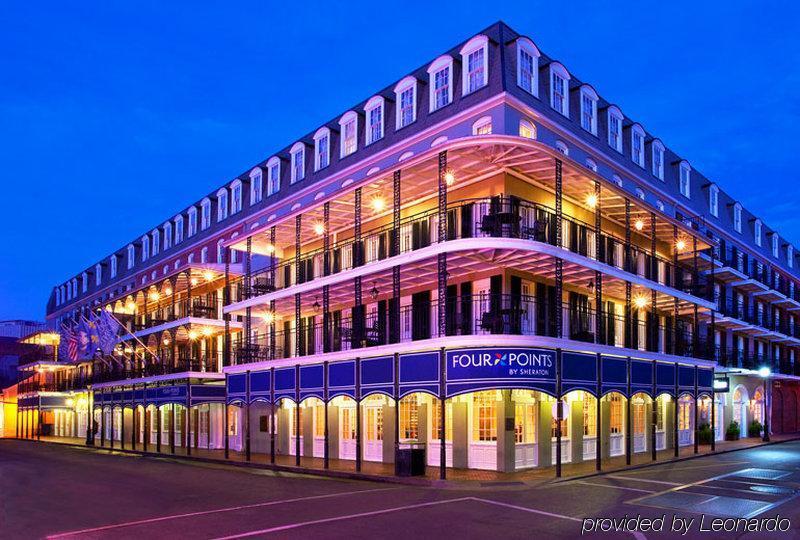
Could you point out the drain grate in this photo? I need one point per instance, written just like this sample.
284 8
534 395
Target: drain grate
761 474
776 490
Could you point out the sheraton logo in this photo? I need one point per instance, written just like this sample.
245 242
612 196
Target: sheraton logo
512 359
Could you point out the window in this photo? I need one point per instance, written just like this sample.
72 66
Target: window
640 193
436 420
167 228
348 127
658 160
527 129
205 214
374 113
192 221
220 252
409 417
204 255
222 204
440 81
236 196
561 147
685 179
615 128
112 261
84 282
559 88
615 414
273 176
483 126
616 179
564 421
527 66
591 164
298 154
737 217
474 59
790 257
637 145
98 274
660 205
256 186
484 416
405 102
757 231
524 423
775 242
74 286
589 109
131 256
322 148
145 248
589 416
713 200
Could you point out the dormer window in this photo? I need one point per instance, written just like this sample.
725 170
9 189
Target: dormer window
131 256
527 66
440 81
236 196
167 228
205 214
374 113
178 229
589 109
145 248
685 179
349 129
112 261
322 148
222 204
298 154
405 102
713 200
790 256
84 282
156 236
559 88
757 231
637 145
615 128
737 217
273 176
658 160
256 186
98 274
474 57
775 242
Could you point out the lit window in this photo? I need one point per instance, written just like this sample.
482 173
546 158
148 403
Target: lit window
559 88
131 256
637 145
322 148
589 109
236 196
527 66
298 154
374 113
483 126
273 176
757 231
145 248
615 414
737 217
205 214
256 186
484 426
440 74
561 147
349 132
406 102
685 179
615 128
409 417
713 200
474 58
527 129
222 204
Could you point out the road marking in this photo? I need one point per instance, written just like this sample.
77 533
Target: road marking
338 518
620 477
615 487
217 511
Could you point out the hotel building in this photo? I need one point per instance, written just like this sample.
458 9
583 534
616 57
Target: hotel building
486 245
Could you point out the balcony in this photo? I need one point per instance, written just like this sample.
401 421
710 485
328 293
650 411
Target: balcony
207 362
166 313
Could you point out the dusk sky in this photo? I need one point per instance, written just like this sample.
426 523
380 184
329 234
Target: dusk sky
115 117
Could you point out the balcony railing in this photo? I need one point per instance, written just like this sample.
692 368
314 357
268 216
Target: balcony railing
209 362
498 217
201 308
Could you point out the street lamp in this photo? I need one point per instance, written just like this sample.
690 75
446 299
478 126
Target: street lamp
764 372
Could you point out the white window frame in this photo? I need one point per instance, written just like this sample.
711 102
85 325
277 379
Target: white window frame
713 200
348 144
478 43
236 196
588 93
758 231
526 46
374 103
155 236
637 156
256 186
220 251
84 282
685 179
480 124
204 255
322 147
167 228
640 193
145 247
299 149
222 204
558 71
442 63
658 159
775 245
615 135
273 175
205 214
562 147
591 164
529 127
131 256
737 217
790 256
112 262
98 274
408 83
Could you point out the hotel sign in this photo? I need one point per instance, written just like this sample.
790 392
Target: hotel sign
500 363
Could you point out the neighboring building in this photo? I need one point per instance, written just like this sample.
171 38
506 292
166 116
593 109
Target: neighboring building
488 230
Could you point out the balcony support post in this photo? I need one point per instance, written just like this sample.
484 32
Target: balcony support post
134 419
172 417
122 428
326 290
628 317
713 295
248 314
558 311
394 314
695 333
675 415
598 456
599 323
247 417
102 420
187 419
298 428
654 322
146 426
358 310
441 291
358 414
226 299
158 428
628 430
272 265
396 396
326 398
713 419
696 414
654 414
442 414
273 418
298 334
695 269
559 411
627 257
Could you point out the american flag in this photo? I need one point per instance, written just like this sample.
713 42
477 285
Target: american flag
69 343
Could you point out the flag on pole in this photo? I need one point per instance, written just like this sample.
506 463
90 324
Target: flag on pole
107 328
68 345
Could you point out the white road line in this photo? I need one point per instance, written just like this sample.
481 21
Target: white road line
615 487
338 518
217 511
619 477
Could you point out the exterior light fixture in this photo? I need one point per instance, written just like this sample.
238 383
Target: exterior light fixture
270 248
316 304
639 225
166 341
128 350
449 178
208 275
268 317
680 245
153 296
378 203
168 291
591 200
206 331
640 301
764 372
374 291
319 228
193 335
193 281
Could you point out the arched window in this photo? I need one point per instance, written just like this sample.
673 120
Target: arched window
590 164
98 274
528 66
559 88
790 256
236 196
474 61
167 228
145 248
192 213
131 256
298 153
156 236
660 205
374 114
84 282
440 82
640 193
348 128
737 217
405 102
273 176
685 179
220 251
205 214
637 145
658 159
222 204
322 148
527 129
561 147
256 186
616 179
757 231
112 261
483 126
615 128
204 255
589 100
713 200
775 244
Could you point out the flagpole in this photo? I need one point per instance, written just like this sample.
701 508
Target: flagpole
87 321
133 335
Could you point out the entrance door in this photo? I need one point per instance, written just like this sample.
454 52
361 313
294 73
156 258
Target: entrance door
639 425
318 429
526 451
347 432
482 452
373 432
296 430
434 446
685 421
616 426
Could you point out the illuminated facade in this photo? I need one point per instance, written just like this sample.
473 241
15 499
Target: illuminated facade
487 233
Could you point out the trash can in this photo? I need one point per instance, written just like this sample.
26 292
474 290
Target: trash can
409 459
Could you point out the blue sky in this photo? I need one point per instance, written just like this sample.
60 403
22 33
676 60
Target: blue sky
114 117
